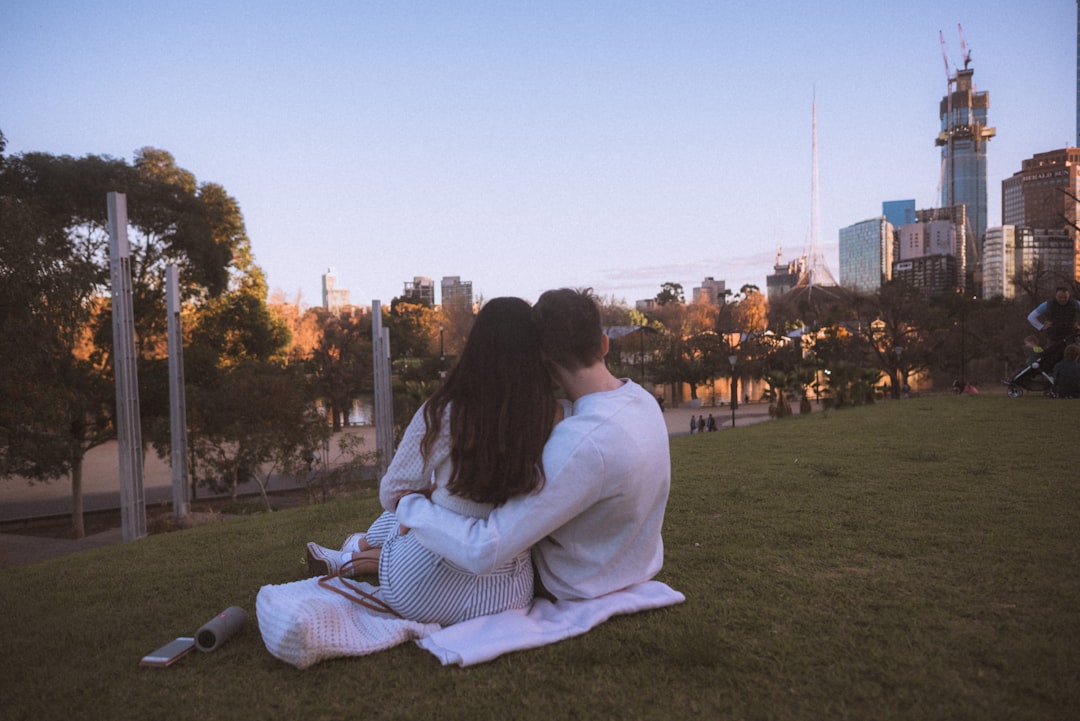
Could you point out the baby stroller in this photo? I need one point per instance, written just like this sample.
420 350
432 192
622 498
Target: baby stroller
1037 376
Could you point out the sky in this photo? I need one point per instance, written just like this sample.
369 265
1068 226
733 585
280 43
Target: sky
527 145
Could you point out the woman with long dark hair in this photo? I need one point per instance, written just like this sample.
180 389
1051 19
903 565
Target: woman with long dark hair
477 442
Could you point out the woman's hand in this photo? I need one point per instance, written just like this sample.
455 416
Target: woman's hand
426 493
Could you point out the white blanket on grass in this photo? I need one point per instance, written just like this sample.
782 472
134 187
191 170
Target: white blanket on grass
302 624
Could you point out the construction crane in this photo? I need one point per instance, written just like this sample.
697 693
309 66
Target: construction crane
949 75
945 137
964 52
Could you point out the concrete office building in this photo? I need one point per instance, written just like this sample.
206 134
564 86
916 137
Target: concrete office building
1032 261
866 254
999 262
785 276
710 291
1037 196
421 289
935 237
931 274
1047 259
456 292
334 299
1042 196
931 248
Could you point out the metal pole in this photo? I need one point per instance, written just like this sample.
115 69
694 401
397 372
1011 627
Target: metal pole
732 359
384 400
732 398
641 353
128 432
177 397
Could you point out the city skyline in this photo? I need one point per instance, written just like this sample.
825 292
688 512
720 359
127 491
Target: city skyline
613 146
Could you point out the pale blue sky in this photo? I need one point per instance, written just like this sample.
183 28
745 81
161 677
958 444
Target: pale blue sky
529 145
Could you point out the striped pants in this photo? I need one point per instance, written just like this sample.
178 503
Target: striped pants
423 586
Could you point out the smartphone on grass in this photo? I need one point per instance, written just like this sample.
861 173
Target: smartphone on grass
170 653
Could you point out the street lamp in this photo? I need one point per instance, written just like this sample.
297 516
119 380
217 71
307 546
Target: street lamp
733 359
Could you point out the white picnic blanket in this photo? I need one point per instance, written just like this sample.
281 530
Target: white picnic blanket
302 623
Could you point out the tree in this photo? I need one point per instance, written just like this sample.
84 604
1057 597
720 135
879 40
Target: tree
614 311
898 327
257 420
670 293
54 264
341 363
688 356
748 312
304 326
455 322
413 327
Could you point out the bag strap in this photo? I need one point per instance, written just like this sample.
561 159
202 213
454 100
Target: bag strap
356 594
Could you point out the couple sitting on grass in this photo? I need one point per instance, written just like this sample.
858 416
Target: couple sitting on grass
499 492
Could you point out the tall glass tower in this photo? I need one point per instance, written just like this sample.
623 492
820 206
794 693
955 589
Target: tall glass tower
963 139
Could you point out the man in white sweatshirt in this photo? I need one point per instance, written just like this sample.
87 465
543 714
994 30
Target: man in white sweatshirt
595 525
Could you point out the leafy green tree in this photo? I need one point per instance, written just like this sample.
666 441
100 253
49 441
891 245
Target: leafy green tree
847 364
670 293
257 421
55 266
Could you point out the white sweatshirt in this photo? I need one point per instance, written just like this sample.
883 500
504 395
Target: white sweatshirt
595 525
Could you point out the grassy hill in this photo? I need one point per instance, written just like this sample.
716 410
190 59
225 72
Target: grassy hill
917 559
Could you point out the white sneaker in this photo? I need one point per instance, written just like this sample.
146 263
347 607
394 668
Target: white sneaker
322 561
352 543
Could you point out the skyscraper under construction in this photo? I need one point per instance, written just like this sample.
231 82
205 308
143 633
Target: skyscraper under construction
963 140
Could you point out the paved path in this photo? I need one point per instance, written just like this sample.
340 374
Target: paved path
19 500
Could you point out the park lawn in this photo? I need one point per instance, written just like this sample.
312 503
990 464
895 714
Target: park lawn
914 559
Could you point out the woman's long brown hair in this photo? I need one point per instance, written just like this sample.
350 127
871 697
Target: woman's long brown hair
502 407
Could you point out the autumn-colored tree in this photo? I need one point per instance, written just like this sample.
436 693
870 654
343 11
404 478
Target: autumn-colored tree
748 312
341 363
413 328
455 324
304 325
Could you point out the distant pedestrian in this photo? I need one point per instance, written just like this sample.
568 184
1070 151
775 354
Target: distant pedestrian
701 424
693 425
711 423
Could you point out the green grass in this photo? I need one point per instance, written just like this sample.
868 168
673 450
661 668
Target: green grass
908 560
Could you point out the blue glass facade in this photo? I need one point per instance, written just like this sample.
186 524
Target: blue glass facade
866 254
899 212
963 140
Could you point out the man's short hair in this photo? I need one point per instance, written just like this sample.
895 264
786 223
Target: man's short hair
570 330
1072 352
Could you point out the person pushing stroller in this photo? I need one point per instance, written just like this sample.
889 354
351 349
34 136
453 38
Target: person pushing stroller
1059 318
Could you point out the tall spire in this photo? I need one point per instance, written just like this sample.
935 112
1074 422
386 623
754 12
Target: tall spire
815 204
816 272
